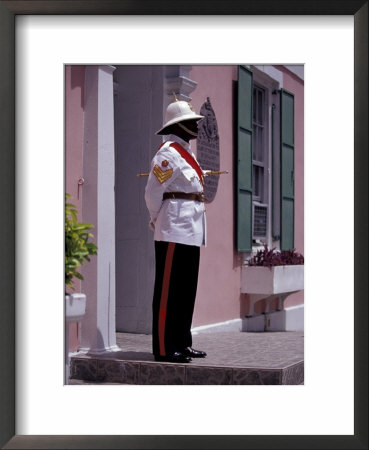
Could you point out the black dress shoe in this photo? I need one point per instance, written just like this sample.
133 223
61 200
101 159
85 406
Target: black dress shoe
192 353
176 357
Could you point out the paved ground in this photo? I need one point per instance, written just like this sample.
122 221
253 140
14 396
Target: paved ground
232 349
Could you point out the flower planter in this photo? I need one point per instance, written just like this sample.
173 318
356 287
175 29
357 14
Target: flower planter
274 280
264 282
75 307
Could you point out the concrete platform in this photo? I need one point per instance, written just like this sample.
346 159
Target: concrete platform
268 358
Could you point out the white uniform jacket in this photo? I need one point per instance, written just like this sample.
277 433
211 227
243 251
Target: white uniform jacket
175 220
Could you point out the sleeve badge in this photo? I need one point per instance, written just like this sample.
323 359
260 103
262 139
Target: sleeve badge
162 175
165 163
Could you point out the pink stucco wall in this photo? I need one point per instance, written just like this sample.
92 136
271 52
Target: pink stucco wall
74 93
218 296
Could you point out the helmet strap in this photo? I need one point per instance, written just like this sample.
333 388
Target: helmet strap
192 133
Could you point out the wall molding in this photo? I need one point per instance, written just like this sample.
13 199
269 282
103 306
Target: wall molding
289 319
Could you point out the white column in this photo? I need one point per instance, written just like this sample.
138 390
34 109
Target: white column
98 208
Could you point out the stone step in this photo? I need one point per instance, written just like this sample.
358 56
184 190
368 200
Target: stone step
270 358
102 370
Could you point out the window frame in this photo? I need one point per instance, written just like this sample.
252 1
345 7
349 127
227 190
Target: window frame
263 187
271 87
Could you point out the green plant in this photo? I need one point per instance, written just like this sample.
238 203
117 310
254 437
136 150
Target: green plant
77 246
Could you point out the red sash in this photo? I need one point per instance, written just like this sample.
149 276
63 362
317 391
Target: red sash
190 160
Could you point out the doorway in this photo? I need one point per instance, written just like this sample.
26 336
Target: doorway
138 114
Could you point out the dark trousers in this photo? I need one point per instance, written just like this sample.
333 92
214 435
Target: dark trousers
177 267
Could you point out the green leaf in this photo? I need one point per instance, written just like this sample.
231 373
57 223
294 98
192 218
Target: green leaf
77 246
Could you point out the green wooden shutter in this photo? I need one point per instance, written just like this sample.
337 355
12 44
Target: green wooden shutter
244 160
276 172
287 170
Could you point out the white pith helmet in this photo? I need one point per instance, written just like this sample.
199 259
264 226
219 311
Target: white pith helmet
178 111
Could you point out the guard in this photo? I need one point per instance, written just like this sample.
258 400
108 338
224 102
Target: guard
174 196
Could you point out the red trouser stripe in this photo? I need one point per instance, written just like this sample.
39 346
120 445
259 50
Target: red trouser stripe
164 296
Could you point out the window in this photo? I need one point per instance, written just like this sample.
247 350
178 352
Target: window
258 142
265 162
259 164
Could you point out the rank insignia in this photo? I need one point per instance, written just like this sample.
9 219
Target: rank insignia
162 175
165 163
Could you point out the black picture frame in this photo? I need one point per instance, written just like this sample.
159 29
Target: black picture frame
8 12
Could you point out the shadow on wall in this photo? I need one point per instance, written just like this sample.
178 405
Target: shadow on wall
78 81
259 307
